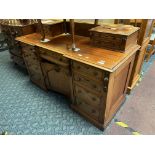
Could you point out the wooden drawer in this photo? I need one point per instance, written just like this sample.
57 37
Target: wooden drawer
89 110
87 96
56 56
93 72
95 86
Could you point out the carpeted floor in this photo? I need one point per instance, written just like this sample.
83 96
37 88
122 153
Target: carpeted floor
26 109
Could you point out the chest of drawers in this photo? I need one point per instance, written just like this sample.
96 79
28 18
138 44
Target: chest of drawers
115 37
11 32
98 94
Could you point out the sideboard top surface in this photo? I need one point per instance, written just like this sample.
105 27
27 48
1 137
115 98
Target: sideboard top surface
98 57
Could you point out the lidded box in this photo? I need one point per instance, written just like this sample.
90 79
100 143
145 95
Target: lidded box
117 37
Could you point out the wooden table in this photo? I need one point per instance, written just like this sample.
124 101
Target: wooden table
93 78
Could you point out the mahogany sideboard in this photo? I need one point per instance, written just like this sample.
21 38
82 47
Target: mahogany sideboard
94 79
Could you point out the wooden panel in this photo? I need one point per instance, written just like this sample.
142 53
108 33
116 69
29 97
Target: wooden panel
59 78
93 85
87 70
87 96
54 57
33 65
117 88
87 109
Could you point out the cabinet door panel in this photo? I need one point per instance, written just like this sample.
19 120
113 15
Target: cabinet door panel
58 78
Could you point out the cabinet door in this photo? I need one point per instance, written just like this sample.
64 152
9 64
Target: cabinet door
33 65
59 78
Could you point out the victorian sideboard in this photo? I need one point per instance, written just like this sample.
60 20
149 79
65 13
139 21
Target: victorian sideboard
94 79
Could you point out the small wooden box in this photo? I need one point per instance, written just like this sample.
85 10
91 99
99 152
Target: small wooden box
114 36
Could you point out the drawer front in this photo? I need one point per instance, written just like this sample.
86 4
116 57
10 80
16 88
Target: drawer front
87 96
88 83
54 55
27 48
87 109
88 70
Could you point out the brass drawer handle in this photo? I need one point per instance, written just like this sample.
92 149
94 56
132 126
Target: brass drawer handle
106 79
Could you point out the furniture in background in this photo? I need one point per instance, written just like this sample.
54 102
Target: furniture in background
95 79
146 26
13 28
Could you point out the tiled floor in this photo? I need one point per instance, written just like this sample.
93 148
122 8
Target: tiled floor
26 109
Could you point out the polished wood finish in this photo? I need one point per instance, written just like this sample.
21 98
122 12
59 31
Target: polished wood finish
114 36
95 79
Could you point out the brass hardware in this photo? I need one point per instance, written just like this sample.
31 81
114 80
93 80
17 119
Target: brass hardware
105 82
